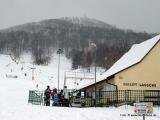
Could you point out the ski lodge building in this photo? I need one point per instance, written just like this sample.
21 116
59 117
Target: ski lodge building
138 69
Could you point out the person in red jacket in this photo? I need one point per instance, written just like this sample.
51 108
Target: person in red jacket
52 94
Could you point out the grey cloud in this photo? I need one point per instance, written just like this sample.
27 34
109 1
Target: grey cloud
140 15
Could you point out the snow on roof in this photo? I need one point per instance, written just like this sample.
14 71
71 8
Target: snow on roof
133 56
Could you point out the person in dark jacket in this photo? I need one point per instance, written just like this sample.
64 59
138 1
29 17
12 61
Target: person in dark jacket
47 96
61 98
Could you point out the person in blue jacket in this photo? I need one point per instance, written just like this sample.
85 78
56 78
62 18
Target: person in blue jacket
56 100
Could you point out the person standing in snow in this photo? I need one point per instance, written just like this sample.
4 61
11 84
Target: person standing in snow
47 96
61 97
56 100
52 94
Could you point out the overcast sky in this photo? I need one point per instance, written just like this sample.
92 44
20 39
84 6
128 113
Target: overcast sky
139 15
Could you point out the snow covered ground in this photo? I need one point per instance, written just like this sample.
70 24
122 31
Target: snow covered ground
44 75
14 97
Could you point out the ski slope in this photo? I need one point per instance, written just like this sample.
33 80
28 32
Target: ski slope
44 75
14 97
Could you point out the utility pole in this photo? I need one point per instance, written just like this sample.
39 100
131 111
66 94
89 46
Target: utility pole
94 46
59 51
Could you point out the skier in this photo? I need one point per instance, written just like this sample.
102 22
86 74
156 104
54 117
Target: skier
47 96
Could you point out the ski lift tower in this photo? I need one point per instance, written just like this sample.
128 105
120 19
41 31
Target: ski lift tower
33 68
77 76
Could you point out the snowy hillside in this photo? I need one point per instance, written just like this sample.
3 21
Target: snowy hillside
14 95
44 75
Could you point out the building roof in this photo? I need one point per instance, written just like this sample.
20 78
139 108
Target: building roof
135 55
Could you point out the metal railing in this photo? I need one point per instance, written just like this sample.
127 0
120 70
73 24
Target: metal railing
36 97
103 98
108 98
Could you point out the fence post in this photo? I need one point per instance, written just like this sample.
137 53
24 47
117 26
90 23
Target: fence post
158 98
91 98
130 97
117 96
99 101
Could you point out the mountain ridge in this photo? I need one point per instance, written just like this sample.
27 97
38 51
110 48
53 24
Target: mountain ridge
52 23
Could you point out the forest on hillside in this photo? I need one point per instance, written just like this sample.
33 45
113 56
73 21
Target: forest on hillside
43 38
